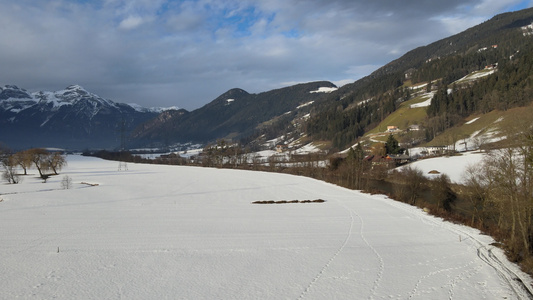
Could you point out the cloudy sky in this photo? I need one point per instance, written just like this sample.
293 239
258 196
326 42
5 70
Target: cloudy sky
186 53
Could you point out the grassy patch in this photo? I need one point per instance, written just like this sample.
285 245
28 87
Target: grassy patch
402 117
502 123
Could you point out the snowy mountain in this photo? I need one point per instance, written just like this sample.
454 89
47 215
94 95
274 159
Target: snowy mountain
233 115
77 119
69 118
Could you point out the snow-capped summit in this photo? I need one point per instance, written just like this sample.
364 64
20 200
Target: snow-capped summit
139 108
13 92
67 118
15 99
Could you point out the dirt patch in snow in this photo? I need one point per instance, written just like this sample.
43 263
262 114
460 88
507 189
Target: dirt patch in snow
289 201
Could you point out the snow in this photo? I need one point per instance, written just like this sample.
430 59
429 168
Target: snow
348 149
472 121
453 166
155 109
305 104
480 137
419 86
364 101
264 155
190 153
50 97
16 105
324 90
476 75
307 149
170 232
68 96
425 103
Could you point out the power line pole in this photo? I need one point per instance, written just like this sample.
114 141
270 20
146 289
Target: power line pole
122 166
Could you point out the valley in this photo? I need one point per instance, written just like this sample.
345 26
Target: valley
185 232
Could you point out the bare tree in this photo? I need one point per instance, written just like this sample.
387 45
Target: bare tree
477 181
24 160
412 181
442 192
39 157
505 183
355 167
9 165
56 161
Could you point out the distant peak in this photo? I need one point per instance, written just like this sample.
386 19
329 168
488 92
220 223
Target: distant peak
236 91
234 94
75 87
14 92
73 91
13 87
140 108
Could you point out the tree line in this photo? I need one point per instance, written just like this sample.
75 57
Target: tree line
47 163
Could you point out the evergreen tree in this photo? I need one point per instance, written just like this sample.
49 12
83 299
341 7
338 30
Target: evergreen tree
392 145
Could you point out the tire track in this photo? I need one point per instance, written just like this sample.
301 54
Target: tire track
513 280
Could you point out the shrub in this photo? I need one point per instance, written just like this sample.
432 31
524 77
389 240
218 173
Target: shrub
410 186
66 183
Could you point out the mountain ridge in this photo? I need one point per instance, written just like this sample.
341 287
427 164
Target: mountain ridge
232 115
68 118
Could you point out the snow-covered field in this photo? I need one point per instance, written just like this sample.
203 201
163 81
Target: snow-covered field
453 166
168 232
426 102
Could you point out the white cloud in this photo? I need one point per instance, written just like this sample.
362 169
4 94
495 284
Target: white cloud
131 22
490 7
186 53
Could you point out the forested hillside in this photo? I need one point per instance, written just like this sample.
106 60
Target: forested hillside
499 43
511 86
233 115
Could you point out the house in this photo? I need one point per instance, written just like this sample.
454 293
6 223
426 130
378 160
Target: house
399 159
380 160
392 128
413 127
436 150
281 148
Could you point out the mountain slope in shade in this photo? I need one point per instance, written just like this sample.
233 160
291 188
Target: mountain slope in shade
234 114
69 118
